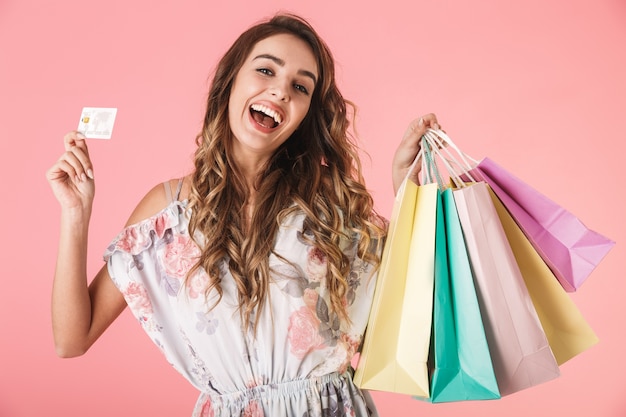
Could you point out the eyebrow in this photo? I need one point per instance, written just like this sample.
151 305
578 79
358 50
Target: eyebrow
281 62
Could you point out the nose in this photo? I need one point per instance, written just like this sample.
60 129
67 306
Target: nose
280 90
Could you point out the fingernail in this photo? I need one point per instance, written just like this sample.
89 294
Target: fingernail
81 136
83 177
421 122
90 173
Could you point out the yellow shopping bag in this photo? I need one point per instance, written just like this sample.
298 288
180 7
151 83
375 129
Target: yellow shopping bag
567 331
394 357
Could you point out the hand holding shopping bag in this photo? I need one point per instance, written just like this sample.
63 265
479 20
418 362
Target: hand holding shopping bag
529 323
567 331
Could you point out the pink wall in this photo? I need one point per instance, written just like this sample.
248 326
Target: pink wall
537 85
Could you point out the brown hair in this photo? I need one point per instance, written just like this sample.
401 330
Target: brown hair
317 168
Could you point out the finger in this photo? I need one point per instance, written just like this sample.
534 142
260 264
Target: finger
75 138
430 121
74 167
415 130
85 162
62 170
421 125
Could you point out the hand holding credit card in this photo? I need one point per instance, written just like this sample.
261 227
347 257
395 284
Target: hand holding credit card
97 122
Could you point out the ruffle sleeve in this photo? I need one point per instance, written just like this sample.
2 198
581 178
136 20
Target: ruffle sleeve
140 236
138 263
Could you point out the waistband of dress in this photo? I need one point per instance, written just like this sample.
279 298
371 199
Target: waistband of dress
277 389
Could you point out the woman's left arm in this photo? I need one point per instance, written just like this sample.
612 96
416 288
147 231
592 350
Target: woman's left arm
408 149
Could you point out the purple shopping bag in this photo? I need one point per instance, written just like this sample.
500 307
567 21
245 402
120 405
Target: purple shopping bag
569 248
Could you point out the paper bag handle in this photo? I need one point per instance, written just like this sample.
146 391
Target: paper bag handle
439 145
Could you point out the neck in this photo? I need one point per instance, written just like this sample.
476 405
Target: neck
250 170
250 174
250 162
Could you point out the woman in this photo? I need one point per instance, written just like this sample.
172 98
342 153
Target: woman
254 274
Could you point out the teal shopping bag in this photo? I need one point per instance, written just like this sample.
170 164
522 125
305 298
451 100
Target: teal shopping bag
462 363
462 366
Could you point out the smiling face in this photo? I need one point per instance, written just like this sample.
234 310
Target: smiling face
271 95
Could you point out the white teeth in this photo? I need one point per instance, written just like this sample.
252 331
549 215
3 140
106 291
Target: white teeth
267 111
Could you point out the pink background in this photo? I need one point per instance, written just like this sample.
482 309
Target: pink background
538 85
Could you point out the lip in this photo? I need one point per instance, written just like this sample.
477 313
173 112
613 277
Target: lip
272 106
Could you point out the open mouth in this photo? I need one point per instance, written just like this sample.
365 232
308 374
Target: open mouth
265 116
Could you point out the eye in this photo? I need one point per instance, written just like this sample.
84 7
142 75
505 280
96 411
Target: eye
265 71
301 88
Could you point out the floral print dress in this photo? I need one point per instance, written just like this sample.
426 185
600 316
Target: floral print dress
297 363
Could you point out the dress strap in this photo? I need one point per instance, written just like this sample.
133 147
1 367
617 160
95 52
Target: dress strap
180 187
168 190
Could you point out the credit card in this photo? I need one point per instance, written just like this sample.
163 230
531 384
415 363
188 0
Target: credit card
97 122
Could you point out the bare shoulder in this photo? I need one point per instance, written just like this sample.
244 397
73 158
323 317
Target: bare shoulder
157 199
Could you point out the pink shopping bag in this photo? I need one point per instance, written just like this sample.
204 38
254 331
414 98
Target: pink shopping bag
517 342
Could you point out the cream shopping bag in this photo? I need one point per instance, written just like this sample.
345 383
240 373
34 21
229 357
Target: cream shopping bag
394 357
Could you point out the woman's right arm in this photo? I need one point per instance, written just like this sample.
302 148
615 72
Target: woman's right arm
80 312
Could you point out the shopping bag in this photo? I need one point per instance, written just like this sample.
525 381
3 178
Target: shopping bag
396 344
571 250
462 363
568 333
520 352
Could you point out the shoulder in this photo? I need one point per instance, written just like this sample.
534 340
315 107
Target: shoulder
157 199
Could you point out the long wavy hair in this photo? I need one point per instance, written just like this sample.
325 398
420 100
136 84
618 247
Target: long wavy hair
316 172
